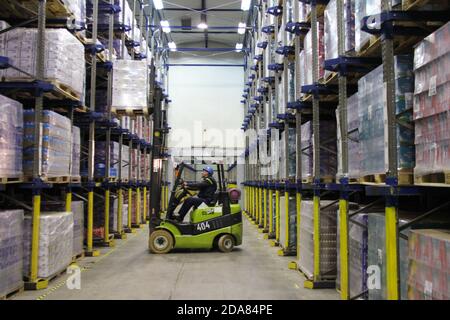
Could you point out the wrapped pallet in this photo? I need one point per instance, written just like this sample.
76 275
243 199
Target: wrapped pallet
99 216
331 29
100 159
78 227
11 251
372 118
328 232
55 243
55 145
431 103
328 158
357 254
288 229
354 151
129 83
76 152
11 136
308 63
364 8
125 162
429 270
304 10
64 57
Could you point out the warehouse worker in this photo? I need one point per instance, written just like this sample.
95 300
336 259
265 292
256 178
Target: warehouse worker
207 189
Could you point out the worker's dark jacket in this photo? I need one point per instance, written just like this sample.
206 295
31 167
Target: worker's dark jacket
207 188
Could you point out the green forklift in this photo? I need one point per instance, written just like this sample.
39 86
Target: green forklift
218 226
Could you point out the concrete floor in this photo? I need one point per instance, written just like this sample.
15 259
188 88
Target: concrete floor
128 271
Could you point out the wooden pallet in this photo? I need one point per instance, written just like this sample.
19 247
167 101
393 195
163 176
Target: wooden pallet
433 179
26 9
8 180
56 180
75 179
326 179
61 91
129 112
405 177
12 293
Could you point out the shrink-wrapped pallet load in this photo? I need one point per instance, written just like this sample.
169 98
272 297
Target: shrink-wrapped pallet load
11 251
11 136
76 152
129 85
55 243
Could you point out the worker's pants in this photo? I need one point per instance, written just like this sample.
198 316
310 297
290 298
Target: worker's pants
188 204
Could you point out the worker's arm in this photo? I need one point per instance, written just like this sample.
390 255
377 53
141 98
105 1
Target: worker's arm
199 185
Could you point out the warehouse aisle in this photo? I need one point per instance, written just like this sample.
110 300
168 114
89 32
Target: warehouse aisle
253 271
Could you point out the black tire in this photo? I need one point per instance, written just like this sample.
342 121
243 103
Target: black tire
160 242
226 243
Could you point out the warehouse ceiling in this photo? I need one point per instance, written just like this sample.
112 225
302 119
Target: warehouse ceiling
220 16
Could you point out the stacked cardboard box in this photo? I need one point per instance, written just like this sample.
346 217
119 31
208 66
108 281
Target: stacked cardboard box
55 243
11 251
11 136
55 145
431 103
429 268
64 56
308 62
99 216
372 118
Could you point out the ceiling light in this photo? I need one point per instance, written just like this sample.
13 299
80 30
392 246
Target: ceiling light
172 46
165 26
158 4
241 27
239 46
245 5
202 25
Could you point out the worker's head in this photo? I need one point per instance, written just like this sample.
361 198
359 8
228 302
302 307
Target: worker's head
207 172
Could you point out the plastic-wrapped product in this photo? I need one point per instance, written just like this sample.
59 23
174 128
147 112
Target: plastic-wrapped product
432 75
328 158
99 216
292 222
78 227
354 152
125 162
292 153
129 83
372 117
125 213
55 243
357 249
100 158
134 160
56 144
304 10
331 28
432 144
328 229
64 56
429 272
291 81
76 151
11 251
364 8
11 136
307 67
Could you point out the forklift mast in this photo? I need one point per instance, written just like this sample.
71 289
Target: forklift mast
159 131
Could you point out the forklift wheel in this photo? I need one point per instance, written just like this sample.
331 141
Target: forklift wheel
226 243
160 241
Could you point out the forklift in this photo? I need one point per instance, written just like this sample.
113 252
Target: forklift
216 226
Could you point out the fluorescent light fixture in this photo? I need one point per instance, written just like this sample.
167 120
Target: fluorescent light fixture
172 46
241 27
245 5
158 4
202 25
165 26
239 46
